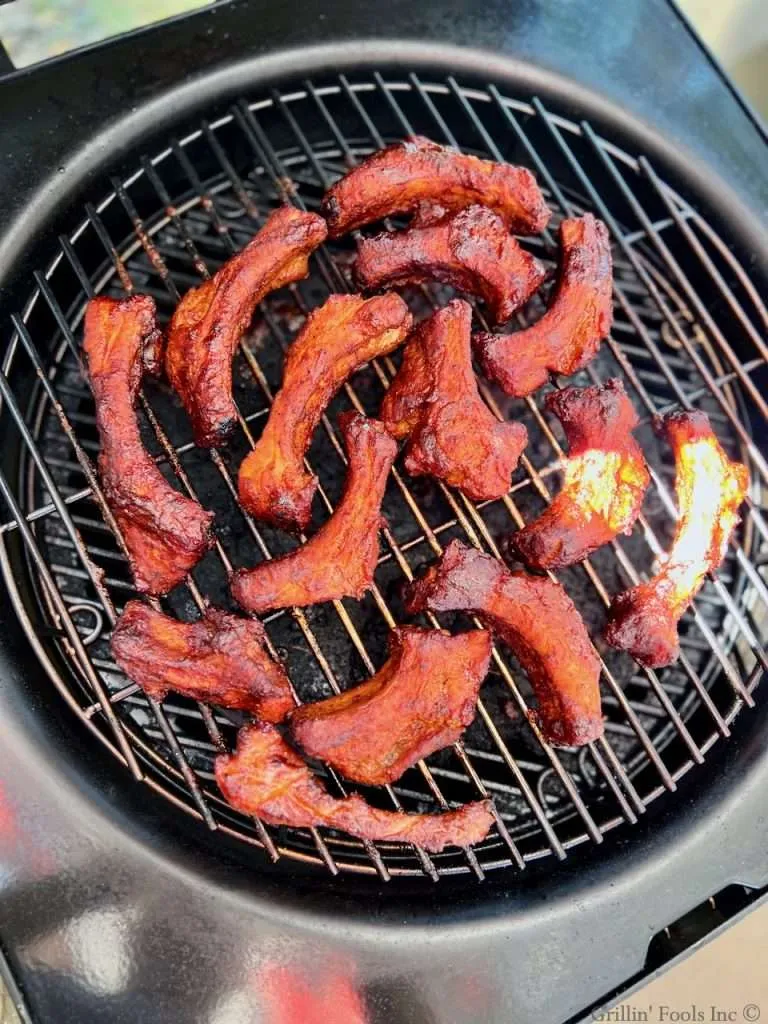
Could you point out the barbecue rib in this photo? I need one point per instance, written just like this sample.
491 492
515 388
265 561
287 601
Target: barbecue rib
164 532
210 319
405 175
266 778
535 617
568 336
420 701
340 559
471 250
434 398
709 488
337 339
219 659
605 478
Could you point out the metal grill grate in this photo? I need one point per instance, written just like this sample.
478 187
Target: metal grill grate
689 331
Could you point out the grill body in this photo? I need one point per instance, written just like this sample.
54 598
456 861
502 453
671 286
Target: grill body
82 827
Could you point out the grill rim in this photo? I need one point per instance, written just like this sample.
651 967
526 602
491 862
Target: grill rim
437 60
630 873
107 201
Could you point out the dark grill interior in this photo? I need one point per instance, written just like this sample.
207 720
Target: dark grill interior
688 332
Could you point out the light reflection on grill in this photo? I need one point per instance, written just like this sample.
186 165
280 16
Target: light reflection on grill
178 218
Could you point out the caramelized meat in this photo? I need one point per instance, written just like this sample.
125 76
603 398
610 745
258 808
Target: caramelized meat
165 533
434 398
535 618
402 177
337 339
420 701
340 560
709 488
210 319
568 336
266 778
219 659
471 250
605 478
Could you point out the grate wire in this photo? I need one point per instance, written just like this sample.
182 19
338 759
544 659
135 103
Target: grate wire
170 225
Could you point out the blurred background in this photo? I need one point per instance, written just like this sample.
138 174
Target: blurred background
32 30
736 31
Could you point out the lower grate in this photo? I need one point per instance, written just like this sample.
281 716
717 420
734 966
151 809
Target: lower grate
688 331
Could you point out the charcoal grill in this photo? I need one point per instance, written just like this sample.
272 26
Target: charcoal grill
160 216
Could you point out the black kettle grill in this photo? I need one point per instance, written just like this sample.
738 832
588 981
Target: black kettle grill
129 891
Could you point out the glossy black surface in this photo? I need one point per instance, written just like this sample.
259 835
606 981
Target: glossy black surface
110 910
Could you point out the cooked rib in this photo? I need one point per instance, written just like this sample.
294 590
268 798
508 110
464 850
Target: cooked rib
401 177
471 250
211 318
709 488
419 701
434 398
540 624
165 533
266 778
340 559
219 659
604 480
337 339
568 336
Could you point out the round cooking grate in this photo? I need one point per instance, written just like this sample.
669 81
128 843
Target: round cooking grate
680 293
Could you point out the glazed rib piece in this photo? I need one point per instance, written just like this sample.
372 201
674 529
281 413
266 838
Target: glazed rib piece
420 701
219 659
266 778
434 399
405 175
471 250
568 336
340 559
709 488
165 532
210 319
540 624
337 339
605 478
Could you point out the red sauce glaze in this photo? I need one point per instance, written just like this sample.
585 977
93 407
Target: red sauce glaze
337 339
405 175
540 624
266 778
568 336
419 701
165 532
220 659
340 559
434 401
210 320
